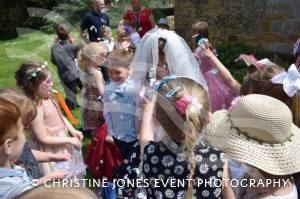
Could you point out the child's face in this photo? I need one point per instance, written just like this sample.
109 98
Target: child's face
100 59
118 74
13 145
45 88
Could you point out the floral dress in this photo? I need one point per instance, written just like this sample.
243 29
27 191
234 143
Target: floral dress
161 164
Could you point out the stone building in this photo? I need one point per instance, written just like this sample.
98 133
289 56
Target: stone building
273 25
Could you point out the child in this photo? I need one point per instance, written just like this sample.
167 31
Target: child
63 55
13 179
90 58
259 133
29 158
182 107
106 37
50 129
120 105
296 53
123 39
219 91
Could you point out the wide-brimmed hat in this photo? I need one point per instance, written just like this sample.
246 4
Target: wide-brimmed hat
259 131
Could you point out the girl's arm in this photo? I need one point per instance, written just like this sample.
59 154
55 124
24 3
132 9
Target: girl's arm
41 156
226 75
227 192
72 130
99 81
146 133
39 130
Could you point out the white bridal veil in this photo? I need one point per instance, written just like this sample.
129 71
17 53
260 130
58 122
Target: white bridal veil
178 55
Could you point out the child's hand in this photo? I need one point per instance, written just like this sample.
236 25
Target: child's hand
75 142
71 39
77 134
60 157
109 139
206 50
56 175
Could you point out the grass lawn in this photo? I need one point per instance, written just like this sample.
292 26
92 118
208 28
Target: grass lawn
33 46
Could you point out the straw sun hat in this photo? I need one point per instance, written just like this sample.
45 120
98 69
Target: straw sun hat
258 131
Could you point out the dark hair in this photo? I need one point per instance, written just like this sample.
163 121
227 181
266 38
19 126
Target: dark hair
29 76
161 45
200 28
259 82
62 31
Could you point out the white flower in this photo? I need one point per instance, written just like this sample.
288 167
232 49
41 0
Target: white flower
158 195
213 157
154 170
203 168
160 176
222 157
205 193
146 168
198 158
180 195
217 192
162 148
181 157
214 167
145 157
169 193
204 150
154 160
220 174
149 191
178 169
212 179
167 171
151 148
167 161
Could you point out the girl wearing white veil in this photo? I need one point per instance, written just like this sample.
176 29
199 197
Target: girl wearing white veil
162 53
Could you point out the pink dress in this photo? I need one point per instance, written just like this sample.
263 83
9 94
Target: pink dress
220 94
55 126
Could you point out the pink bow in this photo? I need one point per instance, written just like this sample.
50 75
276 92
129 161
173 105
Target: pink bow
183 102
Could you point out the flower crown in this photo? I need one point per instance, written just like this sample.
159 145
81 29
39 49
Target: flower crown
32 76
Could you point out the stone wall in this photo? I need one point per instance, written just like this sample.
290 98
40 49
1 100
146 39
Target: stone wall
273 25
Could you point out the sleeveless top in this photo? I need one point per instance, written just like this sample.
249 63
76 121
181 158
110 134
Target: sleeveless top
160 163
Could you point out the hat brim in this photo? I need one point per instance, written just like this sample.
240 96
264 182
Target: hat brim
276 159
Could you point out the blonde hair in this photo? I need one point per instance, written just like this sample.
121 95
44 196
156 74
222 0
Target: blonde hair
122 34
194 117
89 53
258 82
120 58
26 105
57 192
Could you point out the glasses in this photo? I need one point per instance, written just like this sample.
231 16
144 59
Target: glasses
48 83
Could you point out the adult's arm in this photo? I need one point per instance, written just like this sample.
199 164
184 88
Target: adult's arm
151 20
83 26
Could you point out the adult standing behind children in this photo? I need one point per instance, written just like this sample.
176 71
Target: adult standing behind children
63 55
94 20
142 17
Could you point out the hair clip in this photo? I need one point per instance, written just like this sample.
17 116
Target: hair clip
157 85
34 74
171 92
184 101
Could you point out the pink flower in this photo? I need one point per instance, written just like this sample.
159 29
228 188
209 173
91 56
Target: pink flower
183 102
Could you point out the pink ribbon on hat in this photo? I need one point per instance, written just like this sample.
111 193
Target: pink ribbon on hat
183 102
